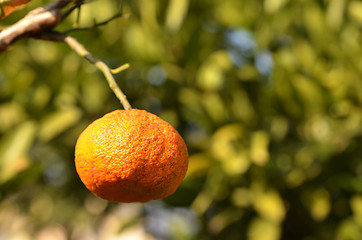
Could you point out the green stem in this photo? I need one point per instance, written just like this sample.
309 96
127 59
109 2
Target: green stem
107 72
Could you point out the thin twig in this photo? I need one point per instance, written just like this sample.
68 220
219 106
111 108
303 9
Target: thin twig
107 72
72 8
81 51
97 24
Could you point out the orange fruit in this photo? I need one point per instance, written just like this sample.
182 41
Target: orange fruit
131 156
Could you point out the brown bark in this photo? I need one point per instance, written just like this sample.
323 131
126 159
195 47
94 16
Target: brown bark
35 22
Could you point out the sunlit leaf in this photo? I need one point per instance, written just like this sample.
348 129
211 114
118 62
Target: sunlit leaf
241 197
14 149
8 6
355 11
211 76
261 229
349 230
320 204
356 205
58 122
227 147
176 13
259 152
198 165
335 13
269 205
272 6
201 203
224 219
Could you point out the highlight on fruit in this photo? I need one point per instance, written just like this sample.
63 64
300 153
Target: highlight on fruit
131 156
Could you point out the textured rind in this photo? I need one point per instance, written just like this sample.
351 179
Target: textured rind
131 156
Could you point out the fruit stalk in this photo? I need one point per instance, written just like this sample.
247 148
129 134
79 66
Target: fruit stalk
107 72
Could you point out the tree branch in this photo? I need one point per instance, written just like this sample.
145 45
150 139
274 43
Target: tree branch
36 21
38 24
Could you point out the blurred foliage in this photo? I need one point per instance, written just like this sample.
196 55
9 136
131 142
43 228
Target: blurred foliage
267 94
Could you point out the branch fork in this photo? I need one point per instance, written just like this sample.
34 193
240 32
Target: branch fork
38 24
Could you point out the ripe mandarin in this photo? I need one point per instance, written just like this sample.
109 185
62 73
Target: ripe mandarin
131 156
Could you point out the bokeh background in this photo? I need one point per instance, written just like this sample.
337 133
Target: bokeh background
267 95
